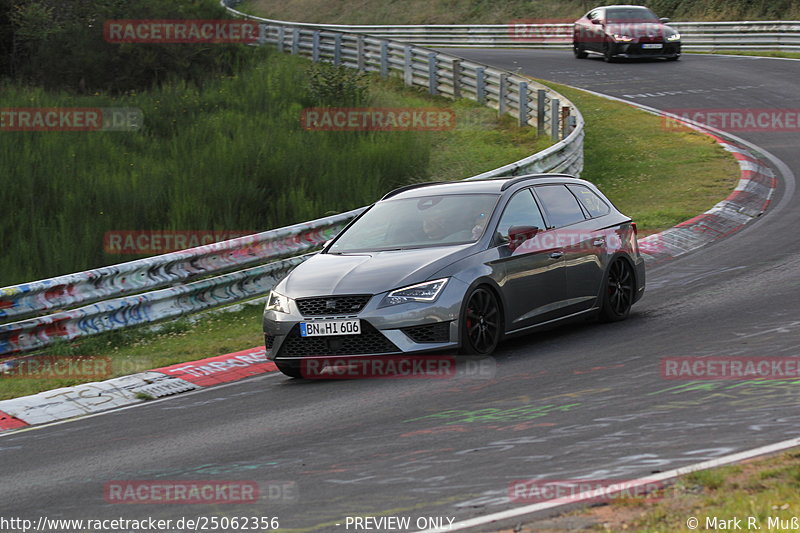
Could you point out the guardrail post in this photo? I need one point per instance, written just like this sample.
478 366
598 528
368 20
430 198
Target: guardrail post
480 85
573 123
337 49
433 71
263 30
281 35
295 41
360 52
408 70
555 115
523 104
384 59
503 95
456 78
315 46
541 101
565 121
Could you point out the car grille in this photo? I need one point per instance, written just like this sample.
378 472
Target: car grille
269 341
369 341
438 332
332 305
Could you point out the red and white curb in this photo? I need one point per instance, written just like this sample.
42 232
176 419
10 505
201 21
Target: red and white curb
90 398
747 202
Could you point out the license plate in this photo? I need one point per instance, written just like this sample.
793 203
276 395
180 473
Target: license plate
330 327
652 46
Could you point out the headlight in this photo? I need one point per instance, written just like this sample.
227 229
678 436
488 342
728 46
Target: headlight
277 302
421 292
622 38
674 37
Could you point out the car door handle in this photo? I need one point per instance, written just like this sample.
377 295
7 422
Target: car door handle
598 242
556 255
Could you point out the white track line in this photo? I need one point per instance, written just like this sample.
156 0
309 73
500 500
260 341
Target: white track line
592 495
789 184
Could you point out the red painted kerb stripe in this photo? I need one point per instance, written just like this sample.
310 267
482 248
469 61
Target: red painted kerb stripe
9 422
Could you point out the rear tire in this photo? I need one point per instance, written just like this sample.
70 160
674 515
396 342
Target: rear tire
289 368
481 323
618 292
579 52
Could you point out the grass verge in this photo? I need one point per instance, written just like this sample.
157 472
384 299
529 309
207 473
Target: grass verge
659 177
761 494
230 156
487 12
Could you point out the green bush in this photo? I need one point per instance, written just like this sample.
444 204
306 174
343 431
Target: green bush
59 44
230 156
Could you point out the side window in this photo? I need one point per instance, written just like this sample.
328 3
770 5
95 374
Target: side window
595 15
561 206
521 210
593 204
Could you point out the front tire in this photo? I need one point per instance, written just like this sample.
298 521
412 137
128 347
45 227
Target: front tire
618 292
481 323
579 52
607 55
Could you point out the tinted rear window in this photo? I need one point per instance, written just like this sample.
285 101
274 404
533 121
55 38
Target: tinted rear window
561 206
593 204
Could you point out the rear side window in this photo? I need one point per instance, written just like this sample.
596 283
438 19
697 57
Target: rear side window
593 204
561 206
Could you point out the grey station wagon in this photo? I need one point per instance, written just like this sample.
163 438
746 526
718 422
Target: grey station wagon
457 266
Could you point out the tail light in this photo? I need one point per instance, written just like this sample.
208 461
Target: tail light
634 238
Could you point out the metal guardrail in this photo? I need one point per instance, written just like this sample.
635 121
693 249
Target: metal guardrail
698 36
188 281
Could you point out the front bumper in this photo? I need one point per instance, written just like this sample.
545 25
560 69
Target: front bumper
635 50
407 328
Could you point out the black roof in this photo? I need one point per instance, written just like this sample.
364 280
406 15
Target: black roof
486 186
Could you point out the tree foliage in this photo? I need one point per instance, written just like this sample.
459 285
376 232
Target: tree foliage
59 44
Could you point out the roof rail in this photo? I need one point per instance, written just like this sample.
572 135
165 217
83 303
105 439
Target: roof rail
514 181
412 186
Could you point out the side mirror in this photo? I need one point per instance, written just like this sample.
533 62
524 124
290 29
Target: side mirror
664 19
597 21
519 234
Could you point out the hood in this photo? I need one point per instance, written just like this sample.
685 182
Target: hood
641 31
367 272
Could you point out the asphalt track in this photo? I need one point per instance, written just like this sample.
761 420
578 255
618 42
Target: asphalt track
594 403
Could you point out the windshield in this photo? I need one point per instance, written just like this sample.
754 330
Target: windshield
418 222
632 14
